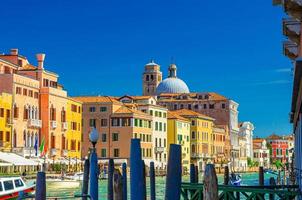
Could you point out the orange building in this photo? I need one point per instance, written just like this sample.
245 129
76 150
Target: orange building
39 104
117 124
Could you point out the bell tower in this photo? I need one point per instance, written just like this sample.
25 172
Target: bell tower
152 76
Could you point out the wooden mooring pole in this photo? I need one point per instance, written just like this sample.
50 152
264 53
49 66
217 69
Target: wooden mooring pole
41 186
226 177
94 175
110 179
124 166
136 174
272 182
173 178
192 173
152 181
144 180
117 185
196 174
85 180
210 187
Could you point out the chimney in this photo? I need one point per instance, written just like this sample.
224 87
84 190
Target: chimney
14 52
40 58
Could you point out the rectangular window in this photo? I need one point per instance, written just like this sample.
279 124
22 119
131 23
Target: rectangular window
116 152
151 112
24 92
104 122
92 123
211 106
115 122
7 136
223 106
160 126
74 108
165 115
103 109
193 123
36 95
8 185
204 106
18 90
18 183
156 126
73 145
115 137
135 122
1 112
1 136
125 121
104 137
30 93
103 153
92 109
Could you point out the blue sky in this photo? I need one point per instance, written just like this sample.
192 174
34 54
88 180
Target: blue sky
100 47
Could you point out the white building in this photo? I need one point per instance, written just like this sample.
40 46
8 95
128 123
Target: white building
246 130
234 134
148 105
261 152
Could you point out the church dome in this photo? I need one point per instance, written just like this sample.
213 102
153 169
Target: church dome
172 85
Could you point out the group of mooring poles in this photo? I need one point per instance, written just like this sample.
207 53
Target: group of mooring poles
117 181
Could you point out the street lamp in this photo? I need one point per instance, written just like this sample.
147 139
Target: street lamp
94 172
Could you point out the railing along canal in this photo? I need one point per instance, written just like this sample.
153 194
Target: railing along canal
194 191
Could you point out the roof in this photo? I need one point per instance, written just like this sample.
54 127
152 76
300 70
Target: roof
127 110
28 67
274 137
96 99
136 97
173 115
191 113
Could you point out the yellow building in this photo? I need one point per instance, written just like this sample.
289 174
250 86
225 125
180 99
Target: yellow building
73 136
5 122
179 133
201 136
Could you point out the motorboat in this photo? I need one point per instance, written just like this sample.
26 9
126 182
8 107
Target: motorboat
235 179
13 187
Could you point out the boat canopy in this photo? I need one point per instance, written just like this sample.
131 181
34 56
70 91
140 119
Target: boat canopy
11 159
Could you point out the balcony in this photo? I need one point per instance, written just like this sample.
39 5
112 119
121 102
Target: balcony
64 153
53 152
291 29
290 49
159 149
196 155
30 152
293 8
53 124
34 123
64 126
8 122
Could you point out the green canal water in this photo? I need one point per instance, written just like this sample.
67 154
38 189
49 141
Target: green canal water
247 179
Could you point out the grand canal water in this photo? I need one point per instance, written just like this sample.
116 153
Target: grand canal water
248 179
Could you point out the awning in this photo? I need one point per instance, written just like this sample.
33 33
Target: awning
16 160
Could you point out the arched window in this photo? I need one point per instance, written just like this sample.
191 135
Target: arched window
15 139
24 138
28 139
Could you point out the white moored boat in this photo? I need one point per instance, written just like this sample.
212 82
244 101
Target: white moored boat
11 187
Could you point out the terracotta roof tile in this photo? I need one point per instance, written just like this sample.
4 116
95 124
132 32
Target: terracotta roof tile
96 99
188 113
173 115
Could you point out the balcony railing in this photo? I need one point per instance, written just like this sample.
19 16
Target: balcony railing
8 122
36 123
64 152
291 29
64 126
290 49
159 149
53 152
53 124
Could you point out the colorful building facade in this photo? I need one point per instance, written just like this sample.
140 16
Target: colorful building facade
117 124
5 122
279 148
38 104
179 133
147 104
261 152
201 140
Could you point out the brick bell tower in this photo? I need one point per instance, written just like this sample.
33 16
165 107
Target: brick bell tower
152 76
